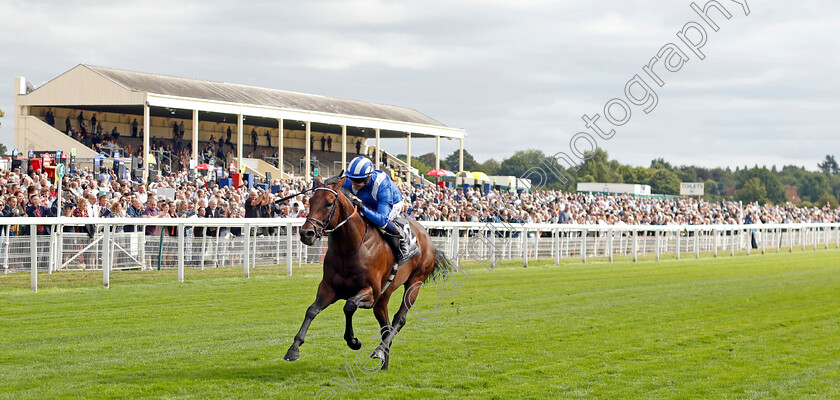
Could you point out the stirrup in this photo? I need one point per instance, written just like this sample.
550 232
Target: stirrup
411 253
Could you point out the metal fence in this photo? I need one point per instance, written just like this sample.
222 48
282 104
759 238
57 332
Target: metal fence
160 243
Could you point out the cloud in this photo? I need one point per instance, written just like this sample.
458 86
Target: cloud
513 74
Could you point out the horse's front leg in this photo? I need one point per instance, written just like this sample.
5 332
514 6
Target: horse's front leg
326 296
363 299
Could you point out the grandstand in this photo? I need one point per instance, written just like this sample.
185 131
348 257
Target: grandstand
208 111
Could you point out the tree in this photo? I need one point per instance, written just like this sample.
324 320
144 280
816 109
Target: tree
469 162
422 168
664 181
3 149
829 165
531 164
429 159
2 114
827 199
490 167
774 190
661 163
753 190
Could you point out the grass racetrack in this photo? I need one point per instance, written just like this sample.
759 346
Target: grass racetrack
757 327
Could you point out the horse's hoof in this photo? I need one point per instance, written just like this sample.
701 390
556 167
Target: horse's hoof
292 355
378 353
355 344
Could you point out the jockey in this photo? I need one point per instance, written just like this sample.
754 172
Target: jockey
381 203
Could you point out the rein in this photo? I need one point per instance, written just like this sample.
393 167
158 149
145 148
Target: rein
294 195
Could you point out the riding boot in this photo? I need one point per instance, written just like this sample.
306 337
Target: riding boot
398 241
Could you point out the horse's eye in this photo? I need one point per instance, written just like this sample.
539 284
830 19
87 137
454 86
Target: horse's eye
328 205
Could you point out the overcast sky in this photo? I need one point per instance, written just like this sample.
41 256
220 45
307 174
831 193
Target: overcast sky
514 74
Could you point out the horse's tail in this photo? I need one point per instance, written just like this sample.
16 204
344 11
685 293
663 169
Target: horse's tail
443 265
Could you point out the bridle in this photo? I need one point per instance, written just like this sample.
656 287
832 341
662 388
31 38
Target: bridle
321 226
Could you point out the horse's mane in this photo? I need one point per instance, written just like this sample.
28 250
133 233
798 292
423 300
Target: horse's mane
334 180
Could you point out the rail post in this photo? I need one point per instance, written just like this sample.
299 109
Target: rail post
106 256
289 259
658 240
697 244
826 236
181 230
749 236
635 246
524 247
246 251
610 244
764 240
715 241
732 246
583 246
802 233
33 257
52 251
679 242
790 240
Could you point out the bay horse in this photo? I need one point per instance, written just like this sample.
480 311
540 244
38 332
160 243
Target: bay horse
357 267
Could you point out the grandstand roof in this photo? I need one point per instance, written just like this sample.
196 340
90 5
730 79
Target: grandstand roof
242 94
87 85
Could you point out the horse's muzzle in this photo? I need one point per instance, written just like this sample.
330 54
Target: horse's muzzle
307 236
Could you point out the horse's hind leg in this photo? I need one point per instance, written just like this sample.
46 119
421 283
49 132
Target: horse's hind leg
363 299
325 297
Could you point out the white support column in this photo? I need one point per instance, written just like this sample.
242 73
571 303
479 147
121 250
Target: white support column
437 152
280 147
344 147
378 150
146 143
408 156
308 155
240 127
461 155
195 137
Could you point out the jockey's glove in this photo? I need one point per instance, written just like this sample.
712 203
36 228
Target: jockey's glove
358 203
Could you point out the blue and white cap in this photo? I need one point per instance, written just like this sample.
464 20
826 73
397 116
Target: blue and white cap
360 167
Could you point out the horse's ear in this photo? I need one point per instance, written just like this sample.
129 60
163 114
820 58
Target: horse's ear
317 182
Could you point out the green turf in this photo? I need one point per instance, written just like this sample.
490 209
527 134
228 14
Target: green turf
757 327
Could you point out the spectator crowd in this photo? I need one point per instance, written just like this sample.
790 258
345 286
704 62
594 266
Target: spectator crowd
177 195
